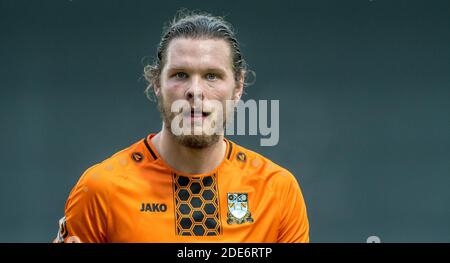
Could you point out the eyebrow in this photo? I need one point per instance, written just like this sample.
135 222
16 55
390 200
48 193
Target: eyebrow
210 69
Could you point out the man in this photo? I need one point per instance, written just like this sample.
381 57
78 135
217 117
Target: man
187 183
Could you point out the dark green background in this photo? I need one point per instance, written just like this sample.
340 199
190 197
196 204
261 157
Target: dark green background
364 92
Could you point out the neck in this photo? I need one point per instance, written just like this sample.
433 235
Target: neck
186 159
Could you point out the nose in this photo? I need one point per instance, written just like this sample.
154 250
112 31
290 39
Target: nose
195 90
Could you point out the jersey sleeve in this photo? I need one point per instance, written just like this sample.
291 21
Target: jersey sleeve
294 225
86 210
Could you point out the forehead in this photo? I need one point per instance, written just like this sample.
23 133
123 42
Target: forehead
198 53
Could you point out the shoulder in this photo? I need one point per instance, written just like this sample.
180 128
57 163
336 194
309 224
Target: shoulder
100 177
262 168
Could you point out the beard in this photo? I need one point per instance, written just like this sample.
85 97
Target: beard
195 141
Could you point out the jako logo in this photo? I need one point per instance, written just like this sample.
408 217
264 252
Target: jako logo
153 207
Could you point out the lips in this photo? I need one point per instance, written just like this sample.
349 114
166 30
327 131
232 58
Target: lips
199 114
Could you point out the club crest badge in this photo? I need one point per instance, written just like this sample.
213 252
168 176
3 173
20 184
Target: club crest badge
238 210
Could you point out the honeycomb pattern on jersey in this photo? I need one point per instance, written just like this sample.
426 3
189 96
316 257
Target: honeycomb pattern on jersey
196 205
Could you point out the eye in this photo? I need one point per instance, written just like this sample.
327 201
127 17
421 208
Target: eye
211 76
180 75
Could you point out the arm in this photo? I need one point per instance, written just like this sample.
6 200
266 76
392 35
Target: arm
85 212
294 225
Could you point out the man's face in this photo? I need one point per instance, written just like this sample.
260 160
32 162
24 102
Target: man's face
198 71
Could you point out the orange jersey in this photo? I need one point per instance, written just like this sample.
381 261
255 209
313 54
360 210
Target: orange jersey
134 196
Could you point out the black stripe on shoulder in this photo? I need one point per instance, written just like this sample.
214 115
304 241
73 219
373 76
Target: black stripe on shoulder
150 149
230 149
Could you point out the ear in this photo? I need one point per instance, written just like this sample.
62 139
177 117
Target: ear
157 87
239 89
